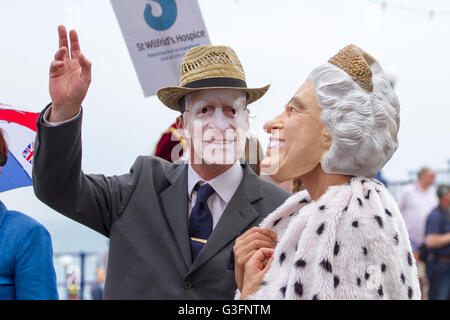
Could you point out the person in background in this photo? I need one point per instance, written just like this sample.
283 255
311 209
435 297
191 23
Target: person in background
379 177
171 146
26 253
415 202
437 240
100 277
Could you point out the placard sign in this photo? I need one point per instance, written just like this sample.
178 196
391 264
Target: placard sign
158 33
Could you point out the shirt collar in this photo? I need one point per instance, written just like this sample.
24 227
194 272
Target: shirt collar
225 185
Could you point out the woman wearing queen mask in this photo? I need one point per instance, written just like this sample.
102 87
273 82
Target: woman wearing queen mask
343 237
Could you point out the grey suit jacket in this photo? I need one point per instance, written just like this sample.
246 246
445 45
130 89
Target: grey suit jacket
144 213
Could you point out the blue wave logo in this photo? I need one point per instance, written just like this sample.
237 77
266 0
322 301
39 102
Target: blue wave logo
166 19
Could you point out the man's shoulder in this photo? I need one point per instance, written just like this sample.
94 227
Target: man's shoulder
21 226
155 170
155 164
19 218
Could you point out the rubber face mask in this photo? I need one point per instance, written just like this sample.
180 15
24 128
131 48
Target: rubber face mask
216 123
299 137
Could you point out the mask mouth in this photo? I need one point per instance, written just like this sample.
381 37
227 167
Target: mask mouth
275 144
220 141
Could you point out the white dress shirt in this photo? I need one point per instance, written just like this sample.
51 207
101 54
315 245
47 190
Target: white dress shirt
224 185
55 124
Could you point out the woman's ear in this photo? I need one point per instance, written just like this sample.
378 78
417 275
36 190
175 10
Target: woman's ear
327 139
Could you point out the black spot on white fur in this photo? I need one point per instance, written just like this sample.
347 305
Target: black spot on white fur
282 257
336 281
298 288
326 265
283 291
379 221
380 291
276 222
320 229
410 259
336 248
410 292
300 263
396 239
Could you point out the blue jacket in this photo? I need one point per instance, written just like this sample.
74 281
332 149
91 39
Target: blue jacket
26 258
438 222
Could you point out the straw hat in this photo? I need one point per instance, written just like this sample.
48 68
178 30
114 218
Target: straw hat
209 67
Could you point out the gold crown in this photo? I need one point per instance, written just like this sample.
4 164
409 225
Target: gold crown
356 63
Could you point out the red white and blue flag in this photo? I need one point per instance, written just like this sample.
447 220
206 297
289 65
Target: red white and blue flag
19 130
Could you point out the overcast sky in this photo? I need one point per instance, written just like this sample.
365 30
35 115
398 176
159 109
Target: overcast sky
278 42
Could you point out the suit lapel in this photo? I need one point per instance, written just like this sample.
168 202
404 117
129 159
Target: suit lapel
237 216
175 202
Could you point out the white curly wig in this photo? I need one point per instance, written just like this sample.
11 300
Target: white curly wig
363 124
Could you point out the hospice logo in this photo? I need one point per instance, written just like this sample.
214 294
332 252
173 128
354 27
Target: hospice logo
166 19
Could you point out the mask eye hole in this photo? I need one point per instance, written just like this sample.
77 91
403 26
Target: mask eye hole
229 111
205 110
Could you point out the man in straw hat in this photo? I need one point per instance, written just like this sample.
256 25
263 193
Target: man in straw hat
171 226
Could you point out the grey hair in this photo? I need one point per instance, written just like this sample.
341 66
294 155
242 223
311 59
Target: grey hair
363 125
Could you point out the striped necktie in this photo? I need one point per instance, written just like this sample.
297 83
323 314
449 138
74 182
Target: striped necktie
200 220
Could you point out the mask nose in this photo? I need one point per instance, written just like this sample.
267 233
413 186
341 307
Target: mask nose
274 124
220 121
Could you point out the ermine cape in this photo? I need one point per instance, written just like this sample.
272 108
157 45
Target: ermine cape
351 243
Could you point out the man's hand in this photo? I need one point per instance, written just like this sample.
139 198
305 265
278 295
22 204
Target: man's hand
255 269
70 76
247 244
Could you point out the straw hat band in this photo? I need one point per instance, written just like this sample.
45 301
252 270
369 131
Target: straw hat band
216 82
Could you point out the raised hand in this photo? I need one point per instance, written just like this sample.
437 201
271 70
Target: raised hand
70 76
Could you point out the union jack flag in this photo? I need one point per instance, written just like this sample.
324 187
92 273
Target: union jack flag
28 153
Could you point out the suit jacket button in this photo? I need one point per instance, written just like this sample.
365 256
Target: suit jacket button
187 285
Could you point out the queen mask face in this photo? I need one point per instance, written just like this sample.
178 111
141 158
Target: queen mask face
216 124
298 137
